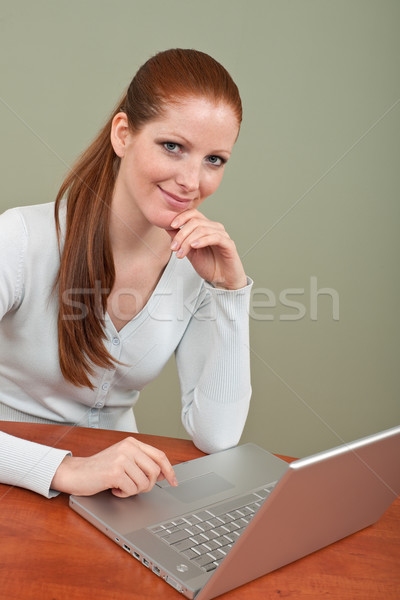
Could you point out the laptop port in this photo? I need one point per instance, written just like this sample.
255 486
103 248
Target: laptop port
145 562
126 547
156 570
173 583
136 555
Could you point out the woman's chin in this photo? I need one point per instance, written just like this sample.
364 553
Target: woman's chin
164 221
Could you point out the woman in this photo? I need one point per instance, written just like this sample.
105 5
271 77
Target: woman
99 290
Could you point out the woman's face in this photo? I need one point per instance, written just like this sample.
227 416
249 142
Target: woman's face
174 162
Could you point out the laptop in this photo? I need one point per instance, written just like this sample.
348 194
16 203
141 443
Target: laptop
241 513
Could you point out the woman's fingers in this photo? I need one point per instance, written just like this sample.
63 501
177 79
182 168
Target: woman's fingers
201 237
186 216
197 232
155 464
209 248
192 228
128 467
143 467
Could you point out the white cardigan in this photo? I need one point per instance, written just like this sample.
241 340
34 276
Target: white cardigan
207 328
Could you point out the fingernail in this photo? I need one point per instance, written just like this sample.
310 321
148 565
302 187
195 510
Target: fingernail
179 253
174 245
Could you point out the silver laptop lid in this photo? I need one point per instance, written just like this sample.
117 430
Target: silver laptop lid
319 500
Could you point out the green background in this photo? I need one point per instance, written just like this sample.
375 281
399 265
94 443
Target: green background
311 194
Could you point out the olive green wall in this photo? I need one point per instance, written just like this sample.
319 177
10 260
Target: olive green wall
311 195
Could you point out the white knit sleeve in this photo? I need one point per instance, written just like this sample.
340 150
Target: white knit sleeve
13 241
214 369
28 464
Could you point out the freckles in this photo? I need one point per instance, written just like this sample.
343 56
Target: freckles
157 170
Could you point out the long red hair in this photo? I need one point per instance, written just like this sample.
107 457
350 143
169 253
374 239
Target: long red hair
86 275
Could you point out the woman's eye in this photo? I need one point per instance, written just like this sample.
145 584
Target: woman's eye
216 161
172 147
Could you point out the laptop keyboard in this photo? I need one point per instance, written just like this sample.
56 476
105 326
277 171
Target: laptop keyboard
205 537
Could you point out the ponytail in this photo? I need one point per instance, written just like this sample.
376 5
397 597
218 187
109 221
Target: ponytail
86 275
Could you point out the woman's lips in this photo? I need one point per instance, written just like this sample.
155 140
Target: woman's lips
174 201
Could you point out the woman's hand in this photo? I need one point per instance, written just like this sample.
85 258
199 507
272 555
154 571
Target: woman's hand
127 468
209 248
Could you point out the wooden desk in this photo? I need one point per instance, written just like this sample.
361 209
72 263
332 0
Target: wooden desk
48 552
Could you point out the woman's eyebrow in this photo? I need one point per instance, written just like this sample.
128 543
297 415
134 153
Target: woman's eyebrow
174 134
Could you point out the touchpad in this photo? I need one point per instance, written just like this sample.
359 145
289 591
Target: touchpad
198 488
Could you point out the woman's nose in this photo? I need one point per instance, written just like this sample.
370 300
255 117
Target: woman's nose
188 176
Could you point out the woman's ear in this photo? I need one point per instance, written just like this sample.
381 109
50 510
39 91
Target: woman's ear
119 133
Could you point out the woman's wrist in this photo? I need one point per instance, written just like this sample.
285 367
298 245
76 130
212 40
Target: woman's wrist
61 476
237 284
232 286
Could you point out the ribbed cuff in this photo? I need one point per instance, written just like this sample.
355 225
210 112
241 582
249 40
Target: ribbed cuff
28 464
